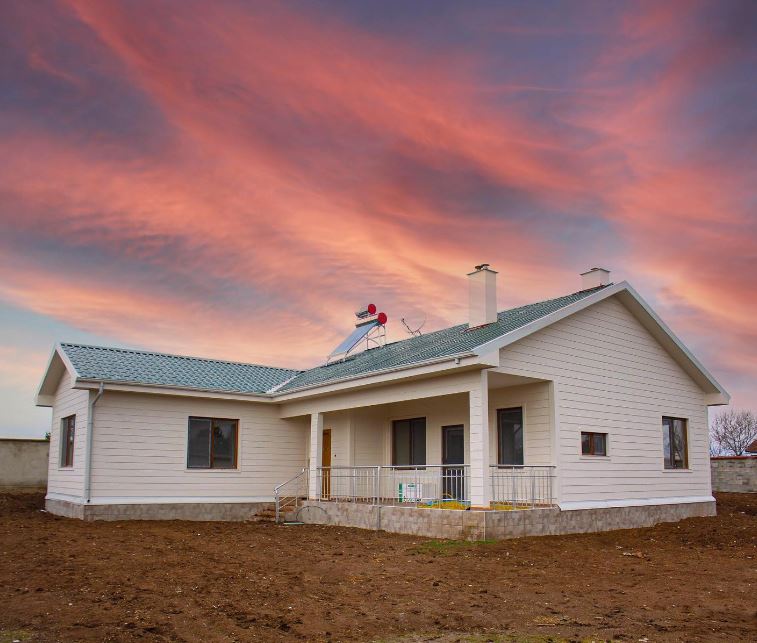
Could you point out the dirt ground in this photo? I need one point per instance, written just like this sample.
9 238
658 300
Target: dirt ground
67 580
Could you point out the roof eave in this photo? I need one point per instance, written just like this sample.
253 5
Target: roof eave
45 396
183 391
379 376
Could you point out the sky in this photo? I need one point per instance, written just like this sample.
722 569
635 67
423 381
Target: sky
232 179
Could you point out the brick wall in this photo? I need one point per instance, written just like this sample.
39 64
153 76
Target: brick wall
734 474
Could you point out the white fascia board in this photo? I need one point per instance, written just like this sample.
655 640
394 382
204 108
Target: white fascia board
720 392
718 395
431 367
631 502
717 399
89 384
46 399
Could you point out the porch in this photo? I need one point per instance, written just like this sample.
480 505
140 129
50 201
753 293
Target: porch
489 446
436 486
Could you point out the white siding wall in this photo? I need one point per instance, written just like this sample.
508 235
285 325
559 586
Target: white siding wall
68 482
363 436
449 410
140 449
537 420
340 425
612 376
369 435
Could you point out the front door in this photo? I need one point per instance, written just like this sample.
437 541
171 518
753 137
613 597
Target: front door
326 463
453 453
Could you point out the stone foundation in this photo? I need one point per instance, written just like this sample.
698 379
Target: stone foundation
199 511
493 525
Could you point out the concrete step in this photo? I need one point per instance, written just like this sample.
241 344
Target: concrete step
264 515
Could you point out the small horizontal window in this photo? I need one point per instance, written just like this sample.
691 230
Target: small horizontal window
593 443
212 443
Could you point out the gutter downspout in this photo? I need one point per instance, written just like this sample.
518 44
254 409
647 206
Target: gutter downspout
88 459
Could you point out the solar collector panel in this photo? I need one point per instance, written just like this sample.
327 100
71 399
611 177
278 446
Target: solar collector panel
353 338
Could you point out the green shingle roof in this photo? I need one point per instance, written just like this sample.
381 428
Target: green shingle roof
159 369
442 343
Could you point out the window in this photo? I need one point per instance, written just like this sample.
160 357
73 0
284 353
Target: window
593 443
510 436
409 442
67 436
212 443
674 443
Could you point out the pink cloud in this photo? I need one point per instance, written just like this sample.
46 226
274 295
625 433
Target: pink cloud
293 172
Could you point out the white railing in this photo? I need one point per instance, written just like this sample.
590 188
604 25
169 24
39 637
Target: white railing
288 495
522 486
436 485
430 485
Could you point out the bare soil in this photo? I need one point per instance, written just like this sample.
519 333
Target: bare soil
67 580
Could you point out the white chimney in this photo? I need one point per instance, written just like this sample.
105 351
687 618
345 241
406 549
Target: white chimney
594 278
482 299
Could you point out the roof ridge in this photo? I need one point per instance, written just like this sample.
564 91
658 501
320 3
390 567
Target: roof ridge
551 299
176 356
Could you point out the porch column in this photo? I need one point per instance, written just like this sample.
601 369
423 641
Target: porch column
316 452
479 442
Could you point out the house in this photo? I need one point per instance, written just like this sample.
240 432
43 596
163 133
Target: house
580 413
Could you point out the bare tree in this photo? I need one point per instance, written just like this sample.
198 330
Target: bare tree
732 432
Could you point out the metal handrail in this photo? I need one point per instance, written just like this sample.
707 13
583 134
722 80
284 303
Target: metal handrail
293 500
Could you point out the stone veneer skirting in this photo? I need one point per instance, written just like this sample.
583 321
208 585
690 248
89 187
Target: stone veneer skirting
200 511
494 525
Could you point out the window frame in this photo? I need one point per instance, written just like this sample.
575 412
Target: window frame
500 412
67 447
592 452
668 462
210 467
411 446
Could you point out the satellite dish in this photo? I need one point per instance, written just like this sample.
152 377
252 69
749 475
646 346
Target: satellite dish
413 325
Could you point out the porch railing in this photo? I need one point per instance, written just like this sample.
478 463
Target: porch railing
429 485
522 486
436 485
289 495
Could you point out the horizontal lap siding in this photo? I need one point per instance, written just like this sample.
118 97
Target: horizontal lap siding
68 401
140 446
613 377
537 418
446 410
372 427
369 434
340 426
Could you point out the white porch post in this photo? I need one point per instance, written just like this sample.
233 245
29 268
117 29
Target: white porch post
316 451
479 442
